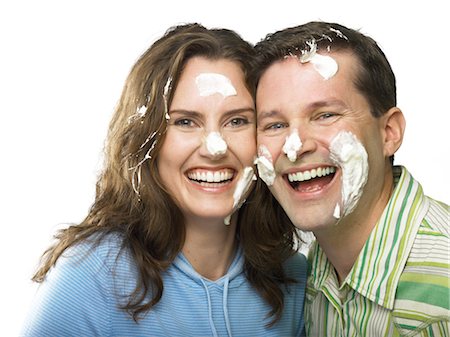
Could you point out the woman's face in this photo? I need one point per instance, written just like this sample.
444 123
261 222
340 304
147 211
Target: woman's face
210 138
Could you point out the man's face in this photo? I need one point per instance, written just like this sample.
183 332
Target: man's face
294 99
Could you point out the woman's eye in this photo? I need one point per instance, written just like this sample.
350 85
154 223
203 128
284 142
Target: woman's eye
184 122
238 122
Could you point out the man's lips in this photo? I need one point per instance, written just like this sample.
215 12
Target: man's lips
311 180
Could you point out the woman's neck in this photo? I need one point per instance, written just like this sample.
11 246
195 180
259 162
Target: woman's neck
210 247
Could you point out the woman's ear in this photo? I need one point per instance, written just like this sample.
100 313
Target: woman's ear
394 127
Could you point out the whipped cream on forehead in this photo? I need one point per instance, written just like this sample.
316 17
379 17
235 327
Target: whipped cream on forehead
347 152
215 144
292 145
212 83
325 65
264 163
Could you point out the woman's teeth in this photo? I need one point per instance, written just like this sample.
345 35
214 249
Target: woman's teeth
314 173
210 176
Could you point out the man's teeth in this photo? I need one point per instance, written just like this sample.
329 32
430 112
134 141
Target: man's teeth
314 173
210 176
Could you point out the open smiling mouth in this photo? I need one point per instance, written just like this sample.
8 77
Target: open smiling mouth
312 180
211 178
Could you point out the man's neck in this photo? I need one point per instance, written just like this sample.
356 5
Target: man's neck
343 242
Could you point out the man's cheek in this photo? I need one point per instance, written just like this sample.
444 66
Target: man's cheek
264 164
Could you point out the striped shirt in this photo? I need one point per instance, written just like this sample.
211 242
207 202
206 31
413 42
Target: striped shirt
400 282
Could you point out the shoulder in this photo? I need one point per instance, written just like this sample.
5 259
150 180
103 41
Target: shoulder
423 291
296 266
76 296
437 217
95 254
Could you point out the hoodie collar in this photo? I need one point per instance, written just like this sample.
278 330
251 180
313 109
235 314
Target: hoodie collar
236 268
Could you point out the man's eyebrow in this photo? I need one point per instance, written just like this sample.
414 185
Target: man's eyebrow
313 106
326 103
266 114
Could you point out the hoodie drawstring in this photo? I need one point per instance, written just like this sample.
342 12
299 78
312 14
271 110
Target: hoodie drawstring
225 305
211 322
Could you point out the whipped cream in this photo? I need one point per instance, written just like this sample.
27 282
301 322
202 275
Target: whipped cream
292 145
211 83
240 193
325 65
347 152
242 186
215 144
264 163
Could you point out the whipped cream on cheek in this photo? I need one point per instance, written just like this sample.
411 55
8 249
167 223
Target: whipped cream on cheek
265 167
215 144
292 145
242 187
347 152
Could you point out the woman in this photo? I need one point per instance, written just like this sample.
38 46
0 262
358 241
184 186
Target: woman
168 247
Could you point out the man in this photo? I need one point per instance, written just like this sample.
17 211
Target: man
328 128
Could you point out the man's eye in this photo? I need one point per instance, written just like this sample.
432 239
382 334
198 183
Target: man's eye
275 126
327 115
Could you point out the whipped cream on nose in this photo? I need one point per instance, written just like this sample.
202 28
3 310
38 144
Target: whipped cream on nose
347 152
265 167
215 144
292 145
211 83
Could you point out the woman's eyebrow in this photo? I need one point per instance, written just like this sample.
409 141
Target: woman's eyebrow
239 110
185 112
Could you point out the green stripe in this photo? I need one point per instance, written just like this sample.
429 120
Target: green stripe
428 233
397 269
437 280
429 293
429 264
396 235
364 317
347 309
381 246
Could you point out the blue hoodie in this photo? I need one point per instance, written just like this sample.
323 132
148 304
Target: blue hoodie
82 295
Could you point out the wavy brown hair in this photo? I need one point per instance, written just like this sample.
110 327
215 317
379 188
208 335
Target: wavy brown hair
130 197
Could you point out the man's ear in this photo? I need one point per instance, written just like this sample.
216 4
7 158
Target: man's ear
393 127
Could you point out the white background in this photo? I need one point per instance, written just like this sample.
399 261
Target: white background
62 67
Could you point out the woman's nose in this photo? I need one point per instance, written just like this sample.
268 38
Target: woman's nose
213 146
